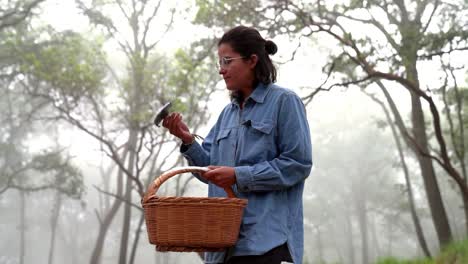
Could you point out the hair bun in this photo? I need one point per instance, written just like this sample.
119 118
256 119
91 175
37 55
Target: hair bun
271 47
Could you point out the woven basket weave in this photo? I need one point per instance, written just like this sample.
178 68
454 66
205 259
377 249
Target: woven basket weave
187 224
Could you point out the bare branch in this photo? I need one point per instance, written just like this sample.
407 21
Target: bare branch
404 13
67 116
148 21
168 27
98 216
436 5
440 53
293 55
122 9
309 98
448 112
385 8
118 197
17 14
459 149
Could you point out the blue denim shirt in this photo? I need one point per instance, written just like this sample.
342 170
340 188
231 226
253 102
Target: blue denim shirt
268 143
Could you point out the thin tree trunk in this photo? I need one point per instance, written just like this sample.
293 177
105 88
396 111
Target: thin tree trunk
349 237
390 238
362 217
128 197
53 224
465 209
409 188
458 136
421 144
126 223
431 185
334 239
104 224
319 245
136 240
375 240
414 216
22 227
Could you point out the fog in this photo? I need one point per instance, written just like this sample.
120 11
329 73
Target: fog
61 144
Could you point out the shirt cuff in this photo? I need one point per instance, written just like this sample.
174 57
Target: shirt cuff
244 178
192 152
187 149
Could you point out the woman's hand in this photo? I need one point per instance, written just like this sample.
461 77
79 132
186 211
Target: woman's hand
222 176
178 128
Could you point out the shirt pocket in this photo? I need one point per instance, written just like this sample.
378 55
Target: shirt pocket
224 150
222 135
258 142
263 127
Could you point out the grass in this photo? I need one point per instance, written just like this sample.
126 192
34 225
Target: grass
392 260
455 253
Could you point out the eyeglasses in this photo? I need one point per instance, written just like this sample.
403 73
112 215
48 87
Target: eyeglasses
225 61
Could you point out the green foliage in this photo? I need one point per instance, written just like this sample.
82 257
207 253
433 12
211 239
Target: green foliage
61 66
392 260
186 79
60 173
456 252
456 99
69 65
343 64
15 12
226 13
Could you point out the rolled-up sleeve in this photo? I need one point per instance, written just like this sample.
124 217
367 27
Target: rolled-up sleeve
294 162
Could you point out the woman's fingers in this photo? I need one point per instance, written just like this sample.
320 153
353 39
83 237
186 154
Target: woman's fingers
209 175
221 175
172 123
167 121
176 126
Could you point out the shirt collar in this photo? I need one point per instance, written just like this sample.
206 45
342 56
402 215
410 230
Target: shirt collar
258 94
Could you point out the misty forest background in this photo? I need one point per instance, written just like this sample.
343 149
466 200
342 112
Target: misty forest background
384 83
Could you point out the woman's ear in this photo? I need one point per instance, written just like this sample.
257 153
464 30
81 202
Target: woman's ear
253 61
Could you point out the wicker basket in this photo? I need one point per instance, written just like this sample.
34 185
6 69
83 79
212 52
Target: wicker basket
186 224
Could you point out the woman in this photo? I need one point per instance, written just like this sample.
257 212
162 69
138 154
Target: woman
260 146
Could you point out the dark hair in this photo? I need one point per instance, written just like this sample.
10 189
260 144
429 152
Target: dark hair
247 41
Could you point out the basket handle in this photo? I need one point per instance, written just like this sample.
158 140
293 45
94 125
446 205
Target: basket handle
154 186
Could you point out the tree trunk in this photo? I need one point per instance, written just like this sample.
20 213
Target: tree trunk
409 188
414 216
409 51
128 197
53 224
103 228
465 208
431 185
104 224
390 238
362 219
349 237
22 226
375 240
319 246
136 240
334 237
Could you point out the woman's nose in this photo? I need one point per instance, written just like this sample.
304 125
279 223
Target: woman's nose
222 71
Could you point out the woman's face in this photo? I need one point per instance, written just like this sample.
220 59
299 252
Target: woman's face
237 72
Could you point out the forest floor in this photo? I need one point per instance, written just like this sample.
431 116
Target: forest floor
456 253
